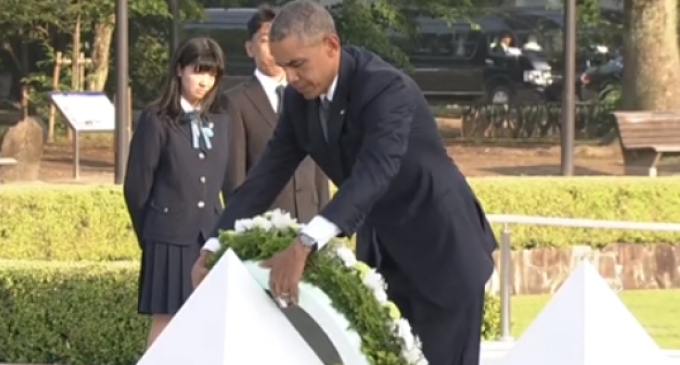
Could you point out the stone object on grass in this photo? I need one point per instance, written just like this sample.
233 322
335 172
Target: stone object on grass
229 319
585 323
24 141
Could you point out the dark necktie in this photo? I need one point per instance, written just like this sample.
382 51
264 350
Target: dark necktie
324 112
279 96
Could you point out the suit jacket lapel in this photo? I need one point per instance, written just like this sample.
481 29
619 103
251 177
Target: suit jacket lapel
336 118
185 130
255 93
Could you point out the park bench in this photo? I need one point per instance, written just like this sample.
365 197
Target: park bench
645 137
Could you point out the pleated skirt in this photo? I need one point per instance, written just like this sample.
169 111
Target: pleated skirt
165 277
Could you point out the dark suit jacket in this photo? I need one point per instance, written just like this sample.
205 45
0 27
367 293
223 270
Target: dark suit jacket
396 179
252 120
171 189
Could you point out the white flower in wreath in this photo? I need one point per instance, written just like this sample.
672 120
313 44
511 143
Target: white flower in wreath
262 223
404 331
243 225
346 255
373 280
268 214
283 220
414 356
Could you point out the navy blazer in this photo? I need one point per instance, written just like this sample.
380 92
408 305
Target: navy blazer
397 184
171 189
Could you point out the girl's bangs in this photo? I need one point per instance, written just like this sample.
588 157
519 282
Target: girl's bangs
207 63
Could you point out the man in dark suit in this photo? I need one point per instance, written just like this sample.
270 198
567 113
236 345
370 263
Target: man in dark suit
370 129
253 107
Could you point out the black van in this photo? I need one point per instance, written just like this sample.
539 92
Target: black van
449 61
464 60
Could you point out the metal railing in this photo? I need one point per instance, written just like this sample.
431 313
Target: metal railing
505 251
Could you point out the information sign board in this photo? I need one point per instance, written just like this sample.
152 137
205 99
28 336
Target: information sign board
86 111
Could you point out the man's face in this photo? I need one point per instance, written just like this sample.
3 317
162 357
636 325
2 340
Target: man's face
258 49
310 66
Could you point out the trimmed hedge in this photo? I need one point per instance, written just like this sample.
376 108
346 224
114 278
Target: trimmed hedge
85 313
91 223
65 222
70 313
640 199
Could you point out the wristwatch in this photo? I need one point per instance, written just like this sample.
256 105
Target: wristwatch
308 241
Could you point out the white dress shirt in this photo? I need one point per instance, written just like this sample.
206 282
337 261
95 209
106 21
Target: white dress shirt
186 106
319 228
269 85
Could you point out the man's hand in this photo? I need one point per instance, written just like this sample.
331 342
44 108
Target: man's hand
199 271
286 271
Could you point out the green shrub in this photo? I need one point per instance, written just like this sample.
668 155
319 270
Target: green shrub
70 313
611 198
85 313
91 223
64 222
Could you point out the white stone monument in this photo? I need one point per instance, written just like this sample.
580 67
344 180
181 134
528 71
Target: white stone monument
229 320
585 323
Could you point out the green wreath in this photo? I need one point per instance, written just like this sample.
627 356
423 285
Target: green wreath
356 290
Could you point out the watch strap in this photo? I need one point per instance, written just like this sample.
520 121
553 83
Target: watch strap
308 241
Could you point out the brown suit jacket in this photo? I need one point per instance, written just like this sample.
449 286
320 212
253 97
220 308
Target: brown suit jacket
252 120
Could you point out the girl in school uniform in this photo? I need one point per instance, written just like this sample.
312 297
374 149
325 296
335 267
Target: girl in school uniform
175 172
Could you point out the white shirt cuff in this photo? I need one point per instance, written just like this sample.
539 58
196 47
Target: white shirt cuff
321 230
212 245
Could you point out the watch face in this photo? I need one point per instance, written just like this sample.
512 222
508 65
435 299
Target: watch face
307 241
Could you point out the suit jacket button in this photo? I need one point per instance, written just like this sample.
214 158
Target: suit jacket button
201 155
165 210
202 179
201 204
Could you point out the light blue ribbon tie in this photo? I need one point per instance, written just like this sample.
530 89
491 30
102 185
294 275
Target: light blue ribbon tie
207 135
195 135
198 129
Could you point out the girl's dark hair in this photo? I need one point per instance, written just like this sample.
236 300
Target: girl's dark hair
204 55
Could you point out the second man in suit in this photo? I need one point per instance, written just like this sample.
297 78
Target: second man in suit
253 107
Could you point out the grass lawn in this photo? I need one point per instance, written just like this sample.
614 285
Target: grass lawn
657 310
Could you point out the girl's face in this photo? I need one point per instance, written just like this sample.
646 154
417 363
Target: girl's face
195 84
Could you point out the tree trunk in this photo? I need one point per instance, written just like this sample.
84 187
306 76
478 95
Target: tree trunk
101 50
651 79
